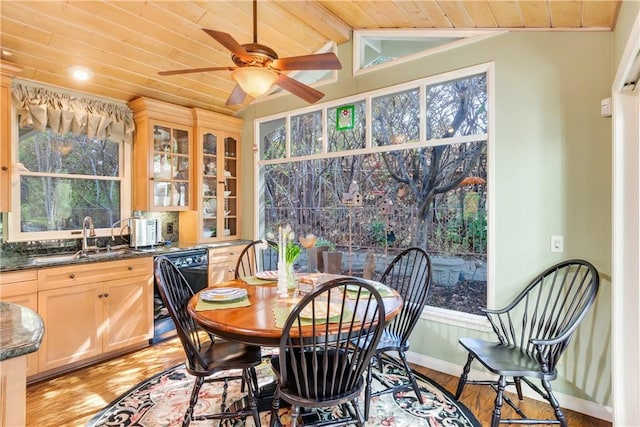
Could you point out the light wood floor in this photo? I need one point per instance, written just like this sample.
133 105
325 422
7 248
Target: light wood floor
74 398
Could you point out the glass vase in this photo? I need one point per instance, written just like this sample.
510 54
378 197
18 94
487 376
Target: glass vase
291 278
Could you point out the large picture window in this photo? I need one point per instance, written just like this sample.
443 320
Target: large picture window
419 162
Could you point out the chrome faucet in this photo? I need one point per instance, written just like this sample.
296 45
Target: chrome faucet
87 223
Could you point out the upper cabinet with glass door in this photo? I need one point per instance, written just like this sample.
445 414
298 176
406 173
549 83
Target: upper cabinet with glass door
215 217
170 167
162 164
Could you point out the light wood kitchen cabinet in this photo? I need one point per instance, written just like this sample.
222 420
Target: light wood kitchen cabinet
222 263
215 216
162 156
92 309
21 287
7 72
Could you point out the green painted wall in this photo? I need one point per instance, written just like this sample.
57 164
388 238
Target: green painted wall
552 174
627 15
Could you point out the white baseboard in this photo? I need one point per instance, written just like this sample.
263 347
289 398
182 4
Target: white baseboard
573 403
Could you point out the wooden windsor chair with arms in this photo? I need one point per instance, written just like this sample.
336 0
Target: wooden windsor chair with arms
532 332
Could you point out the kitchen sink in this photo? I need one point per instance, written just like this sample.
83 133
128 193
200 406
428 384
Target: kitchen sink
108 254
50 259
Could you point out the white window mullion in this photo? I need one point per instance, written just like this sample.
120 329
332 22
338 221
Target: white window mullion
423 112
367 123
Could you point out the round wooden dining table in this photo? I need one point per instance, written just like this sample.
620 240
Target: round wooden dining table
256 324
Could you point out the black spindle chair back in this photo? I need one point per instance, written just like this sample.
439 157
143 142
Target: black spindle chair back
259 255
317 365
409 273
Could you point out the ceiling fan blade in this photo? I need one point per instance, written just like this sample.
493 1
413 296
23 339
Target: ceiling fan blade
237 96
230 43
195 70
301 90
318 61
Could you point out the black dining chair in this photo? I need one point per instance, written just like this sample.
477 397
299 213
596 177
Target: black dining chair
409 273
532 332
259 255
323 369
206 354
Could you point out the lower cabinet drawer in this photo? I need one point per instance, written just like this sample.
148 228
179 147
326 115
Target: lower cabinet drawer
80 274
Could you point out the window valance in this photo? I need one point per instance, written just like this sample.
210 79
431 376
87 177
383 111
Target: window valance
63 113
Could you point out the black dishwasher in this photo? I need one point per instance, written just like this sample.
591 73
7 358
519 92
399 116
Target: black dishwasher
194 265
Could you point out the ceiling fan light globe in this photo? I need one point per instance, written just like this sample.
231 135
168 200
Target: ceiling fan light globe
254 81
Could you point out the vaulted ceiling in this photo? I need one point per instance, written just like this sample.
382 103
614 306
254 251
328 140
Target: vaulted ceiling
126 43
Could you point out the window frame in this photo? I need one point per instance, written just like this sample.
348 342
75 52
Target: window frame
360 41
438 314
13 229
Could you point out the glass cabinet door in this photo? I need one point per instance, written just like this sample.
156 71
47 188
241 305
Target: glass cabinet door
219 187
209 186
230 187
170 167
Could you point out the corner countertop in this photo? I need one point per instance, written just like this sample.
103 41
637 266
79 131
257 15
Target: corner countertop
21 330
15 262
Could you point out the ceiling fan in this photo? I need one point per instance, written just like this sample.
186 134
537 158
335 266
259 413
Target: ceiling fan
258 67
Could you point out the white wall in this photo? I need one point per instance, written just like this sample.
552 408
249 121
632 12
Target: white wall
552 175
626 233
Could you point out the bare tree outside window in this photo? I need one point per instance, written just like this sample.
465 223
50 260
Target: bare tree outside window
427 189
63 178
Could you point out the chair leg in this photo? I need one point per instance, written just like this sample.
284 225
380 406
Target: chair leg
554 403
367 391
412 378
502 384
251 379
192 401
518 384
275 409
361 420
295 414
463 377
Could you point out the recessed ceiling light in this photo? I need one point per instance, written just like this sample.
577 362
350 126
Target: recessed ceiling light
80 73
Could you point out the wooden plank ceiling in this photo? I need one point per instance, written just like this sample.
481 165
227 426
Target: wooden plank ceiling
126 43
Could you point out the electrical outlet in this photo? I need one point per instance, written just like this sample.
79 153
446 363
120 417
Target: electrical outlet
169 228
557 244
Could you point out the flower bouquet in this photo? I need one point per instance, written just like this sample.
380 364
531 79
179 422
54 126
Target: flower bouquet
288 253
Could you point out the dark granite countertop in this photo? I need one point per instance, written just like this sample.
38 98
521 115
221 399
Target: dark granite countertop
20 332
15 262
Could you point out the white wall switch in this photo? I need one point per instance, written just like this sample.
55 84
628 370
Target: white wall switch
605 107
557 244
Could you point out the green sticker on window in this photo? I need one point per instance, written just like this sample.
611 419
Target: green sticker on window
345 117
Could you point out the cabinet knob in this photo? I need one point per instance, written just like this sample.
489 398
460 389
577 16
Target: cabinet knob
220 182
129 268
72 276
100 295
106 295
5 168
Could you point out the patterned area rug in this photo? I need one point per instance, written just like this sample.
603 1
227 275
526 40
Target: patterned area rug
163 399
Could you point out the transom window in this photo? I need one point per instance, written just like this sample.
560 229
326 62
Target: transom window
415 155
